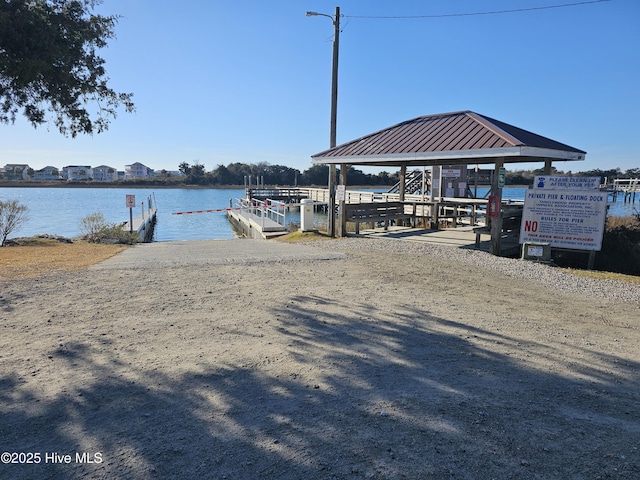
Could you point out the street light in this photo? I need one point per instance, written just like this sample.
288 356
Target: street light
334 112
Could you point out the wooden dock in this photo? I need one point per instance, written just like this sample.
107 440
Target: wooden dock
463 237
627 187
415 211
259 220
286 195
143 225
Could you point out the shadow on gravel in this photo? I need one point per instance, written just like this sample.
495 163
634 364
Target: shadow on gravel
375 395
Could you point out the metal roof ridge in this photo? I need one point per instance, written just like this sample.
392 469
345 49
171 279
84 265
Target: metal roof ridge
486 123
495 132
528 133
391 127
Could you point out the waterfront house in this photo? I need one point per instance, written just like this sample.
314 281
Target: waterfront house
16 171
77 172
47 173
104 173
137 170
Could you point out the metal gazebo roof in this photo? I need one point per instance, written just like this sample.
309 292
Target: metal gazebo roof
448 139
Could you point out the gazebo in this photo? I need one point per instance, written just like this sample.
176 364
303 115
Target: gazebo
447 139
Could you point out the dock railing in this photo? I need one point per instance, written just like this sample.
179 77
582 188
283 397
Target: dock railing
625 184
354 196
144 223
449 210
268 209
443 210
627 187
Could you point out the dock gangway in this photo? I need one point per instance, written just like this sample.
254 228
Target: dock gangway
259 218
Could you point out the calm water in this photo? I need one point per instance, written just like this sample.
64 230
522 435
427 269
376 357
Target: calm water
60 210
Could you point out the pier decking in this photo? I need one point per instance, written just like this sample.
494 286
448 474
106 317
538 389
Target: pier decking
143 225
409 219
463 237
259 219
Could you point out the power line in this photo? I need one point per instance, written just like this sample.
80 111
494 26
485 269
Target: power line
496 12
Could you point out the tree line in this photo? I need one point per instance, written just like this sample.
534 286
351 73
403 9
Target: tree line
238 174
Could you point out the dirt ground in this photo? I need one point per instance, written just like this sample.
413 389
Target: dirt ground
370 366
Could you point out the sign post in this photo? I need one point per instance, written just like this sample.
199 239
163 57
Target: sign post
131 203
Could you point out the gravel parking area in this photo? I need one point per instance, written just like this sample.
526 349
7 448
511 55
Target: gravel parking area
342 359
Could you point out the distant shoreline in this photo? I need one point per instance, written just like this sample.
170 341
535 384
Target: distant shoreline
28 184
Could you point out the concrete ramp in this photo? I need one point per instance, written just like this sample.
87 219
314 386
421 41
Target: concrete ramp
211 252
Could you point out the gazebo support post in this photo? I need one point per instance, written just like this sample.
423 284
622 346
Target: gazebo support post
331 214
403 184
496 222
435 194
547 166
342 205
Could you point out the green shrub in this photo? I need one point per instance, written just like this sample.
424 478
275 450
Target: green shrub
96 229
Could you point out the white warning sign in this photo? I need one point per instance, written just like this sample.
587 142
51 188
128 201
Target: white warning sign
565 218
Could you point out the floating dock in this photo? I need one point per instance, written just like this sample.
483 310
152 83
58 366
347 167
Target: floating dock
259 221
143 225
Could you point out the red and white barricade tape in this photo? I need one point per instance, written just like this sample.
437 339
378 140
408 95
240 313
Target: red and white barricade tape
215 210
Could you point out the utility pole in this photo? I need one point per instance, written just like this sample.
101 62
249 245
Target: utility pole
334 115
334 119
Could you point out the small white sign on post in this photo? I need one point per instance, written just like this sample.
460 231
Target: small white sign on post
131 203
341 193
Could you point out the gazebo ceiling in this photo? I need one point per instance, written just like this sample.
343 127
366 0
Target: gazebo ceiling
448 139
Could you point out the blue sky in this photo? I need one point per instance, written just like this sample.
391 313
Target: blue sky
249 81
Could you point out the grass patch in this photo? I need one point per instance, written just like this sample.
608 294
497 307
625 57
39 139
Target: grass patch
35 258
599 275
